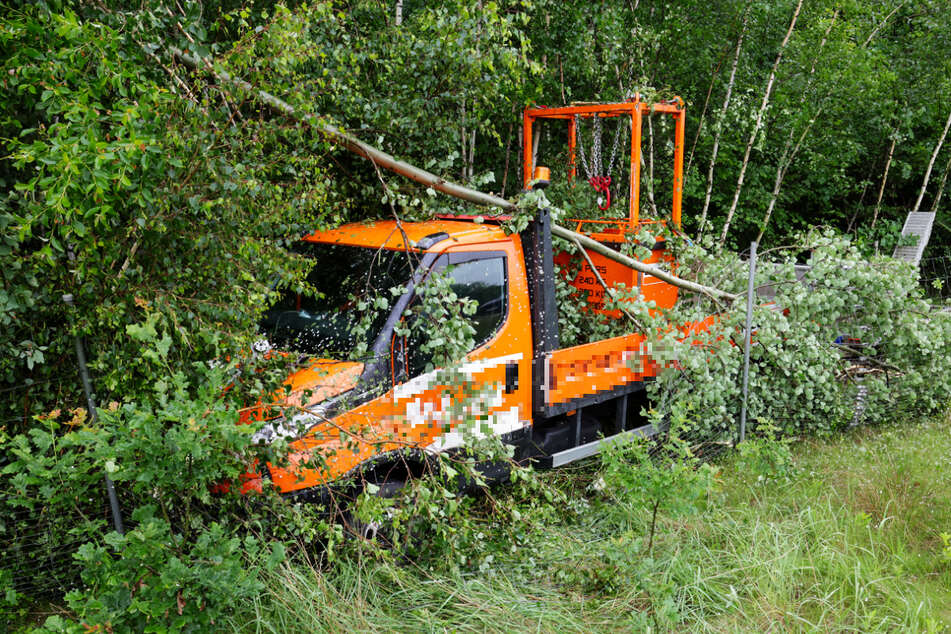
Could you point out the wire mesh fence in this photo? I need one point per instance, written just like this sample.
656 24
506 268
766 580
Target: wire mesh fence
935 277
830 349
38 540
37 544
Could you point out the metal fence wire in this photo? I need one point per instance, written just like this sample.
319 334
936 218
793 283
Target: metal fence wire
37 539
935 277
37 544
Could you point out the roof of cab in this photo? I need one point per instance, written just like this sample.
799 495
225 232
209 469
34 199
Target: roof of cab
386 233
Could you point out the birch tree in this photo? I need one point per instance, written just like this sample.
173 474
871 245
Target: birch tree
944 180
759 123
723 110
790 150
934 156
881 189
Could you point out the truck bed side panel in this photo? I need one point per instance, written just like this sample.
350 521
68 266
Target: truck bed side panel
579 373
594 372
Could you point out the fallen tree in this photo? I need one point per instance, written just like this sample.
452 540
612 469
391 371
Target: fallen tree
424 177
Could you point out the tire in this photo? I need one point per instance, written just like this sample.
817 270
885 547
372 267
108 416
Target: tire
378 532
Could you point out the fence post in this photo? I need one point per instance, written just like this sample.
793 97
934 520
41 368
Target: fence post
91 407
93 417
747 337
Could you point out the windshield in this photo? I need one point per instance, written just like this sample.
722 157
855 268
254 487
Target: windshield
320 321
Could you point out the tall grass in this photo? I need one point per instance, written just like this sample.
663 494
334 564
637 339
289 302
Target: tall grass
850 543
847 540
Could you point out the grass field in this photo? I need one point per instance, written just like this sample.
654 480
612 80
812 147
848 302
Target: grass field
845 537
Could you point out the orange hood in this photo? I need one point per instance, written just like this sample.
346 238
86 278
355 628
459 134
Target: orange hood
322 379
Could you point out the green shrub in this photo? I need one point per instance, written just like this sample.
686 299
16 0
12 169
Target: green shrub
850 320
153 579
188 552
654 479
765 454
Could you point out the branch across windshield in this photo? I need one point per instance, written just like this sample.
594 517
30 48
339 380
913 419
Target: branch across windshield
318 320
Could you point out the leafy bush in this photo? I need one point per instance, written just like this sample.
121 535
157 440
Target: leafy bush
154 579
657 478
765 454
849 321
187 553
133 198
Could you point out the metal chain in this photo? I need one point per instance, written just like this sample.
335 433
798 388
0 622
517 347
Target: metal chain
617 139
629 94
596 148
579 136
596 145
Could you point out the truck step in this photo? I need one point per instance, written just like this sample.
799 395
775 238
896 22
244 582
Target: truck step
589 449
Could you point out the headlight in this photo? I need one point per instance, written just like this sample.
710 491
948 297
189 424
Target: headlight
297 425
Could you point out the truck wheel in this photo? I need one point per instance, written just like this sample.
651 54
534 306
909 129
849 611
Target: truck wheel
378 531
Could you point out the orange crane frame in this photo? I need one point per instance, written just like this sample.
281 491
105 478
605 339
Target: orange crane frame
634 108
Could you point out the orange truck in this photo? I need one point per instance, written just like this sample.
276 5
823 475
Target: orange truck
379 413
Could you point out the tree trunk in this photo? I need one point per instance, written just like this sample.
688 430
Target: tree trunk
650 538
399 12
778 183
934 156
561 76
944 180
508 149
519 178
789 150
719 123
883 23
703 113
472 143
858 207
881 189
463 137
759 124
637 265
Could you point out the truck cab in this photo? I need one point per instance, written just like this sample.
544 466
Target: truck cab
354 409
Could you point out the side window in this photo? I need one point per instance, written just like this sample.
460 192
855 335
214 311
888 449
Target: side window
484 281
473 276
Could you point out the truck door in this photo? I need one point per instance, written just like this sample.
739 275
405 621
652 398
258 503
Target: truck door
489 392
